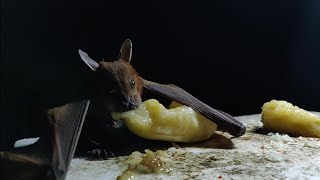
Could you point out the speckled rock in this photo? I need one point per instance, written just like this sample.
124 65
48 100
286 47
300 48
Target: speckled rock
255 155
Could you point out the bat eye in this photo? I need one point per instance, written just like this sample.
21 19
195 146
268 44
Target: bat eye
132 84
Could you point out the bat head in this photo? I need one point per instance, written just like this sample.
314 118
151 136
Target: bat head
118 83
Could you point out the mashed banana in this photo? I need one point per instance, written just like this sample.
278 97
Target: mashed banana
283 117
179 123
150 162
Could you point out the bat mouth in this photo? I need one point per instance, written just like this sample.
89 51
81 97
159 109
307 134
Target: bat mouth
128 105
120 106
124 107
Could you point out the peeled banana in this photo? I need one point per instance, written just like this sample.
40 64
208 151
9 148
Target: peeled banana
179 123
282 116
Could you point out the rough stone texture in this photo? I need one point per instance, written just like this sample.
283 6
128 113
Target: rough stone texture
255 155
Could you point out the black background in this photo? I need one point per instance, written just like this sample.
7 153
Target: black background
233 56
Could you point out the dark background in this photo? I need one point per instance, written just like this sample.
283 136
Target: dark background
233 56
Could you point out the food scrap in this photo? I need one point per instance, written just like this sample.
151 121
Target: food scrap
150 162
282 116
179 123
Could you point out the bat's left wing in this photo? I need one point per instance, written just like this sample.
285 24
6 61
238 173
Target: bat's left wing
224 121
50 157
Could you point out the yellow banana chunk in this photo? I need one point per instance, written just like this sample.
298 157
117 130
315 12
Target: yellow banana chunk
151 120
282 116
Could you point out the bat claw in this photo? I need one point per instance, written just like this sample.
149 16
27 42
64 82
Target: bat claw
98 154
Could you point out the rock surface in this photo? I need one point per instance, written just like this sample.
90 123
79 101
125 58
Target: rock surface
255 155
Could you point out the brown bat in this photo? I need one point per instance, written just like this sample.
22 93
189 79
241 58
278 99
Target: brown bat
117 87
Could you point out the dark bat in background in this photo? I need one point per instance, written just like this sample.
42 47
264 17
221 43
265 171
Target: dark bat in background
117 87
50 157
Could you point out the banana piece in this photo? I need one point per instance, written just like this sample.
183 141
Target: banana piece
282 116
179 123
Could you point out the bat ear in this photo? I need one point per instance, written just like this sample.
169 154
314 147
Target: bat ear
90 62
126 50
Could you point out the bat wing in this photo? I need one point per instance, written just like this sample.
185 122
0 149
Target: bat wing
70 125
50 157
224 121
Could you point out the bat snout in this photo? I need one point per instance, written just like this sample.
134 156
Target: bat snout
129 105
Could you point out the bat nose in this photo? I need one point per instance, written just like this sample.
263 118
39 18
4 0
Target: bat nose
129 105
133 105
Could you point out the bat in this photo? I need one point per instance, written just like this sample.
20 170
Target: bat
116 87
49 158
